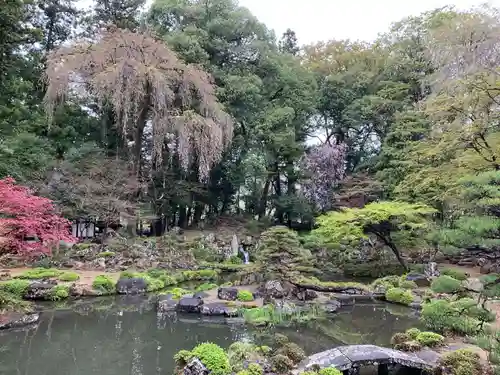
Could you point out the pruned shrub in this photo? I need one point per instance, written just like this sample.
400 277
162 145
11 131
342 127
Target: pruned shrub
281 363
245 296
430 339
292 351
182 357
329 371
461 362
213 357
441 316
455 273
68 276
446 284
104 284
398 295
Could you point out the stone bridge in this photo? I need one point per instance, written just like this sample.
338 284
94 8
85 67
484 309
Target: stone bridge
350 358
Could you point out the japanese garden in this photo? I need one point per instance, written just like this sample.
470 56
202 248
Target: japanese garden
183 191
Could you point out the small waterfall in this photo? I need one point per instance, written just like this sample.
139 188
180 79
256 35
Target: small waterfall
246 257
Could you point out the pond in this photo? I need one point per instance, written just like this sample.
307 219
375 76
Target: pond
121 336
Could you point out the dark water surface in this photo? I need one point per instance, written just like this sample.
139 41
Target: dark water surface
127 337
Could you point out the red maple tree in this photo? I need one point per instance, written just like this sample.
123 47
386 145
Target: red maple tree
23 216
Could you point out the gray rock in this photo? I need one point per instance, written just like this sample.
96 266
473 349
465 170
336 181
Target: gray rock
201 295
133 285
189 305
419 279
166 305
306 295
332 306
39 290
195 367
15 320
218 309
227 293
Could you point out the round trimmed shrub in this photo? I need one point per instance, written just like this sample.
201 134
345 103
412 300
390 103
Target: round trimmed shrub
408 284
292 351
104 284
455 273
213 357
446 284
461 362
413 333
245 296
182 357
329 371
398 295
430 339
68 276
281 363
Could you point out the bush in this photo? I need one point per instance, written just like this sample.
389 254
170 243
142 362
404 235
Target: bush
461 362
446 284
235 260
255 369
39 273
408 346
398 295
205 286
213 357
408 284
15 287
399 338
441 316
430 339
413 333
329 371
455 273
59 292
68 276
153 284
281 363
373 269
469 307
104 284
292 351
245 296
387 282
182 357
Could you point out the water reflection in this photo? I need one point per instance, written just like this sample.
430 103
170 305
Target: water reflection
118 339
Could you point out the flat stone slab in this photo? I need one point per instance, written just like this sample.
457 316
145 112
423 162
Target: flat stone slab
352 356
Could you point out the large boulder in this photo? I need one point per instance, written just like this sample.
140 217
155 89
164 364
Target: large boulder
419 279
83 290
189 305
134 285
227 293
195 367
218 309
306 295
16 319
166 303
39 290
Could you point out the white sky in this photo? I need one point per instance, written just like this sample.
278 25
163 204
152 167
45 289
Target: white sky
315 20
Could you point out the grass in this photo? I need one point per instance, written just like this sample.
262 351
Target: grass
40 273
68 276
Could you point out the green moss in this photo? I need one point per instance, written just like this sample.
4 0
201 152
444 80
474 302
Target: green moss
205 286
182 357
152 284
206 274
104 284
386 282
334 284
39 273
255 369
413 333
461 362
106 254
329 371
446 284
213 357
455 273
59 292
430 339
68 276
398 295
177 293
235 260
245 296
15 287
128 274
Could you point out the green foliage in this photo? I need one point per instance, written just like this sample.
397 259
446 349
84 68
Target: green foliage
271 315
68 276
461 362
40 273
430 339
372 269
106 254
394 223
177 293
234 259
398 295
446 284
213 357
182 357
292 351
15 287
413 333
205 286
281 363
281 255
408 284
104 284
443 316
245 296
329 371
59 292
455 273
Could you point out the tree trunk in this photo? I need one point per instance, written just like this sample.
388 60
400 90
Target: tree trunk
263 198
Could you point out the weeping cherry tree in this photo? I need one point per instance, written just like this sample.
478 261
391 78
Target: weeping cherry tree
144 81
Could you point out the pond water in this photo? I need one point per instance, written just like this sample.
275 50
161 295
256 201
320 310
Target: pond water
125 336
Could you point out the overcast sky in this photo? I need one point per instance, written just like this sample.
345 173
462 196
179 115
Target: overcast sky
315 20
